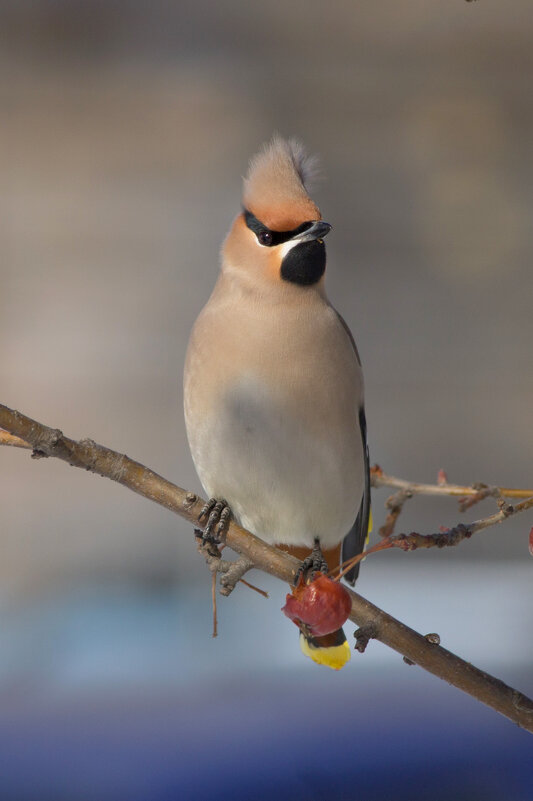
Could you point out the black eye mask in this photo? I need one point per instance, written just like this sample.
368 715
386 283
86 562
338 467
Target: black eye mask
268 237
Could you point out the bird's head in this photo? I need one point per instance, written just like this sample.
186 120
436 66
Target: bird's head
278 237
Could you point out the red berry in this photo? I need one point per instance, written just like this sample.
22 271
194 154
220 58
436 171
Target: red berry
322 606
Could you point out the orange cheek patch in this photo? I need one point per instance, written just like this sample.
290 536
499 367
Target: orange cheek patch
273 268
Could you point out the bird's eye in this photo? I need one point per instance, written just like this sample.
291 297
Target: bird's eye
264 237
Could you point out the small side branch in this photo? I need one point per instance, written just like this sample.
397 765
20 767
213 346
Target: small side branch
395 505
455 535
363 635
467 497
380 479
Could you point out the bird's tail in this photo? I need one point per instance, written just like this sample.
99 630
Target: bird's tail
331 650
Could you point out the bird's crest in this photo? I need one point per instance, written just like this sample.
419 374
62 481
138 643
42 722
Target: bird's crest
276 186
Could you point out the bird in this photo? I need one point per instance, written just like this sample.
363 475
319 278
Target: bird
273 384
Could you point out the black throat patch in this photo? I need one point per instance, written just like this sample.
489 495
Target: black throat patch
305 264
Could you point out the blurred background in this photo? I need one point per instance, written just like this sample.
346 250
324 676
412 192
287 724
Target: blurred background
125 128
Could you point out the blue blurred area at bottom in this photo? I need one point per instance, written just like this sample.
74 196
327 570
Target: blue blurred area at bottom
122 695
264 737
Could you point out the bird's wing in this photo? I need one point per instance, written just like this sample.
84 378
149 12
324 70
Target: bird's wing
354 542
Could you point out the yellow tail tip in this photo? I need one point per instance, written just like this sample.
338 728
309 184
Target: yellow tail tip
334 656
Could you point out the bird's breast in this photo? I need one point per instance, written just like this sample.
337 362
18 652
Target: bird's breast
272 419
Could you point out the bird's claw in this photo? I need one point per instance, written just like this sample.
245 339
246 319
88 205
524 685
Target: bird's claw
312 564
218 515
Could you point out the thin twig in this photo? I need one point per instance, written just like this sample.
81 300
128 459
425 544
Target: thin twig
467 497
395 505
253 587
214 602
339 572
381 479
455 535
442 539
118 467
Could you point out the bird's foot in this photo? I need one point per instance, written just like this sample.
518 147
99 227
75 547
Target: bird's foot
218 514
312 564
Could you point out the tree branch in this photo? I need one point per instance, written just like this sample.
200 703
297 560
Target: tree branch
14 442
118 467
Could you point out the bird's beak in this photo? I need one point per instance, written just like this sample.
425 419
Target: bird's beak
318 230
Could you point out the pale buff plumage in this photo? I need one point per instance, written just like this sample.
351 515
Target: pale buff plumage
273 386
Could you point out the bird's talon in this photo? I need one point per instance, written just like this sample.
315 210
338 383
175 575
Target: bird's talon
312 564
222 524
217 522
207 508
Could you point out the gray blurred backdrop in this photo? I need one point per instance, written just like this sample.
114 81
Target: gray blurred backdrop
125 129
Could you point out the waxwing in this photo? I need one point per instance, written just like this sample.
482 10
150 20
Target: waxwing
273 386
